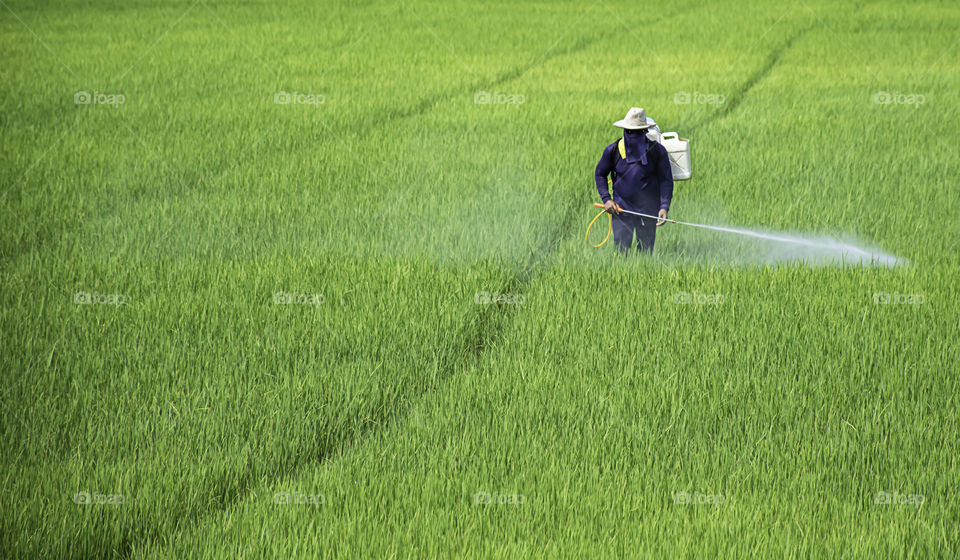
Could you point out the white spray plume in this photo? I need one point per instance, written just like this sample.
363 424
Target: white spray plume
813 249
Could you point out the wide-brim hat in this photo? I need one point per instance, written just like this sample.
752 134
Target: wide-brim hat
636 119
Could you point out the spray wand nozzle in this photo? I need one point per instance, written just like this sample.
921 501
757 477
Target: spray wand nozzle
598 205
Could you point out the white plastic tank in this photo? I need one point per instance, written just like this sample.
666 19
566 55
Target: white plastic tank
679 151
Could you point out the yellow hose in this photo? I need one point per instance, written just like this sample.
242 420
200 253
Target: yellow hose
610 226
609 229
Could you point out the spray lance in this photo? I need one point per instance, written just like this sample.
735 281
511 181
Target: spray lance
851 250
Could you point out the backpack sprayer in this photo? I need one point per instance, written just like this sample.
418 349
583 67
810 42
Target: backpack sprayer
679 151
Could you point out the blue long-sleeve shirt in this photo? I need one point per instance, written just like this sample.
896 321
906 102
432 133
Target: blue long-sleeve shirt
640 188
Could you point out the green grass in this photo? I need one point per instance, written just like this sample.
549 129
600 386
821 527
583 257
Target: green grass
590 401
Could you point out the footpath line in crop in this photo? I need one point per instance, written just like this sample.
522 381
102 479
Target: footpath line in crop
506 76
428 103
741 93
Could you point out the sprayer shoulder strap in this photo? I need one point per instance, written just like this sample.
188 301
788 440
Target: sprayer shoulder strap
622 152
622 149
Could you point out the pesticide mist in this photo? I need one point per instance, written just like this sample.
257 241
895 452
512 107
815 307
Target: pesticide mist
723 243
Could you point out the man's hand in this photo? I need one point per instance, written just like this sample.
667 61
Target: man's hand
663 216
612 207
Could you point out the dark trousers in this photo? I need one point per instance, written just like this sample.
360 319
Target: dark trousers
624 226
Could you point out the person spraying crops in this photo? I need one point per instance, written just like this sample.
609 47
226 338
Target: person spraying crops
639 172
641 169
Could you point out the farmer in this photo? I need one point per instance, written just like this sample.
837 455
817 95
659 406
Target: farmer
642 181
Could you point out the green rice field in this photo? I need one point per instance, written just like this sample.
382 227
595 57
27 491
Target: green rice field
309 280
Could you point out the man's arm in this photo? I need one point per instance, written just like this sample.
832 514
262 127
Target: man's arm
604 168
665 177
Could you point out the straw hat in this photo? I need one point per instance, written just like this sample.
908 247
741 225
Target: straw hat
636 119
